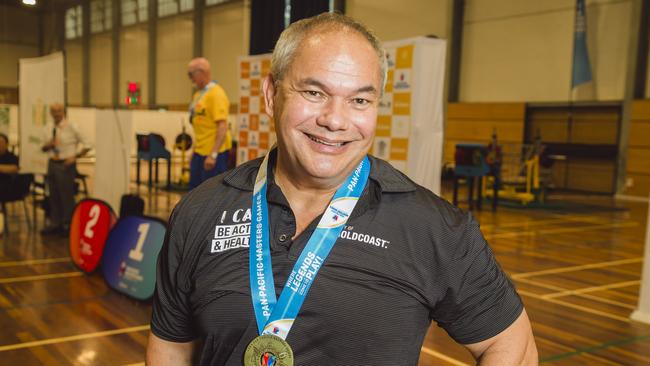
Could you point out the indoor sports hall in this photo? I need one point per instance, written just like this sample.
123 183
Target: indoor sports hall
532 116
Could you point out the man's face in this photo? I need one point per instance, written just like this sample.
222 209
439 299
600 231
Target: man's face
197 76
325 108
3 145
57 113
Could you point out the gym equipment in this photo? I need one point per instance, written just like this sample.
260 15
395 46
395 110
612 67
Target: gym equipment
519 176
183 144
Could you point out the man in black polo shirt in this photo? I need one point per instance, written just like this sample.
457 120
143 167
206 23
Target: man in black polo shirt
361 258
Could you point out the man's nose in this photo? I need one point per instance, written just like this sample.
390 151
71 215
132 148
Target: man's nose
333 115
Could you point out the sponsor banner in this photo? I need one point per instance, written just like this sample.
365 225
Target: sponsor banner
129 261
41 82
91 222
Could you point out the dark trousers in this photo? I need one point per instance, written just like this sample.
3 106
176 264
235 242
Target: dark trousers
60 182
198 174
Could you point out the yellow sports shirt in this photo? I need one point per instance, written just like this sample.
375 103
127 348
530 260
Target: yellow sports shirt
210 107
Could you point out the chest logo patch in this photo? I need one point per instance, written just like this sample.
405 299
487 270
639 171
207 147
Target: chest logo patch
228 237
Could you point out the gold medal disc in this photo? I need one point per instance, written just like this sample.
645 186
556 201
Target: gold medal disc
268 350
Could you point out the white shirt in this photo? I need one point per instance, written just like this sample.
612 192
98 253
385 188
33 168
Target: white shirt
67 139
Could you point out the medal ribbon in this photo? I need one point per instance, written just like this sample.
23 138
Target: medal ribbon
198 97
277 316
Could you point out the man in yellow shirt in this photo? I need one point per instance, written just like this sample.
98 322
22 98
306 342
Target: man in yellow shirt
209 118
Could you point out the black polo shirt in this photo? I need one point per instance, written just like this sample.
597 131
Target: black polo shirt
8 158
406 257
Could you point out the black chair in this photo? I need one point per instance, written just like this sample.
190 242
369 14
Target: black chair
151 147
18 190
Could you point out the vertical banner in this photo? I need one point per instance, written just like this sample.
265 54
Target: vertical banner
256 130
410 117
112 151
581 71
41 81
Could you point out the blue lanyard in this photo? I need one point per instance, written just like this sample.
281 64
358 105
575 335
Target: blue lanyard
277 317
196 100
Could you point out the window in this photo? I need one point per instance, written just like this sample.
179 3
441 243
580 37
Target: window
171 7
134 11
101 15
73 20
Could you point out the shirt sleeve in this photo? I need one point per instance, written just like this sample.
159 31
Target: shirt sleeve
81 138
480 301
219 104
171 314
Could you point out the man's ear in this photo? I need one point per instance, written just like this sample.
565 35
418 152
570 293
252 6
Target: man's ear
269 90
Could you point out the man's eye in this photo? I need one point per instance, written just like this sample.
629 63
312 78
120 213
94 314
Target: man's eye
360 102
312 94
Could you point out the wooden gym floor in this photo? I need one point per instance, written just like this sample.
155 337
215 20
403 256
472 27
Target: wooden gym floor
577 270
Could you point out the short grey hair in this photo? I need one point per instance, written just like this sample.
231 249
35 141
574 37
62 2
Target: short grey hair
291 38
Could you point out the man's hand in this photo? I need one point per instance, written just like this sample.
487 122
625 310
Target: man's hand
48 146
69 161
209 163
515 346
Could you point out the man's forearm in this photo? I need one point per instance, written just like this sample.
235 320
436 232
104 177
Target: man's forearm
222 129
162 353
83 152
8 168
509 357
515 346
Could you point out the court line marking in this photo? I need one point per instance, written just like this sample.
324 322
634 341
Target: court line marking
576 307
592 349
443 357
586 296
40 277
608 301
135 364
28 262
54 303
576 268
560 230
78 337
592 289
534 222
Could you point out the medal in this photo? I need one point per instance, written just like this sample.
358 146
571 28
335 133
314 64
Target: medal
275 316
268 350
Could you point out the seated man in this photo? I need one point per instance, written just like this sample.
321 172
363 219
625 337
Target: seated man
8 163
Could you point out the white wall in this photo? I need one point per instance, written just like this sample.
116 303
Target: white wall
134 43
223 43
9 56
73 72
101 69
513 50
18 39
517 50
174 53
393 20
